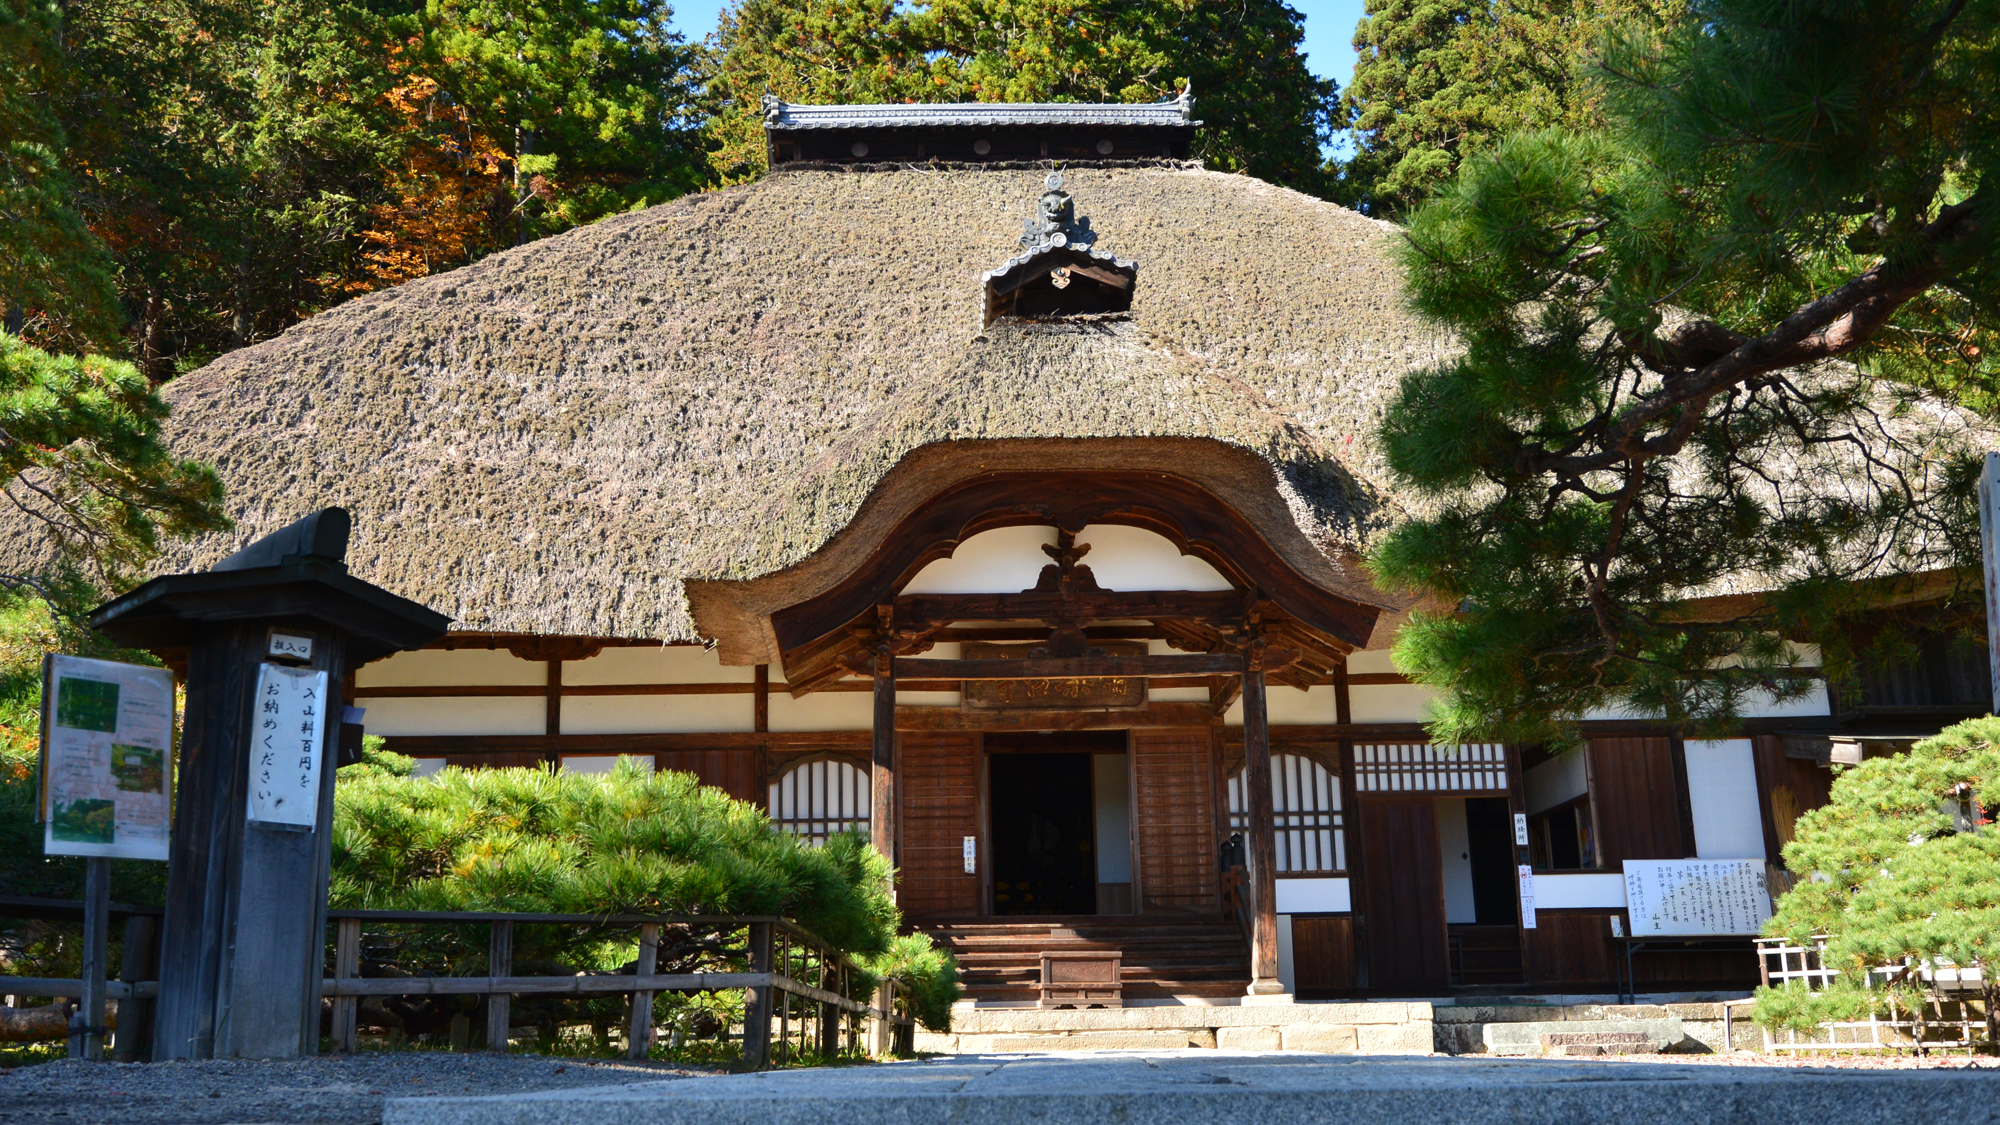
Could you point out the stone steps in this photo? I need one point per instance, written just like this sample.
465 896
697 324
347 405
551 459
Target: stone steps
1162 956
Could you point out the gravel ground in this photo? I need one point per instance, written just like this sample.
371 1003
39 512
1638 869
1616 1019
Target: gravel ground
319 1091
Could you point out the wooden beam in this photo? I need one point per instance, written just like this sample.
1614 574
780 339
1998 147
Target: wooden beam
916 612
965 718
437 745
762 719
1261 838
1072 668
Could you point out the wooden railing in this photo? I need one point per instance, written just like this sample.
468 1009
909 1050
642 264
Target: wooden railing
789 977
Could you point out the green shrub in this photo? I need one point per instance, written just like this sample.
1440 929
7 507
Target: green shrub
1899 869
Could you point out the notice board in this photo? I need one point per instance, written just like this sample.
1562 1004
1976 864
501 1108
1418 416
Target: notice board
1696 897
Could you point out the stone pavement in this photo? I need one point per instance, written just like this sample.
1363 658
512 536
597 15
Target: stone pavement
1222 1087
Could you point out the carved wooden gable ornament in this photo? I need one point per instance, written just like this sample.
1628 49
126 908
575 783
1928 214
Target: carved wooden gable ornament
1060 271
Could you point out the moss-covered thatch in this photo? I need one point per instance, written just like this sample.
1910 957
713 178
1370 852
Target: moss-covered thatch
553 439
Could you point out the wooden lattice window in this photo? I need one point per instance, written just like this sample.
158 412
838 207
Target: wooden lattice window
1417 767
1305 808
819 797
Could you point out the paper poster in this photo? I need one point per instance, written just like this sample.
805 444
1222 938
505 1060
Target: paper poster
287 740
1696 897
1527 897
107 758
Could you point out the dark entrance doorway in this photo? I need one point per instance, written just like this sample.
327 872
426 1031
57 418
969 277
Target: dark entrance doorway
1043 831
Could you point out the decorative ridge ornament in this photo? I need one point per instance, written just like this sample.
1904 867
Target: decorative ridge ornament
1059 250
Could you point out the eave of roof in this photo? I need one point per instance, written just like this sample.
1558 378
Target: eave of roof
782 116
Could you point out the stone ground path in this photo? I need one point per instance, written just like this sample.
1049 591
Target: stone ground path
351 1090
1222 1087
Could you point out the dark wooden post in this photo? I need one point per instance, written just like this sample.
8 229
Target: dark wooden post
639 1029
136 962
499 963
882 778
96 954
346 966
757 1002
242 946
1260 843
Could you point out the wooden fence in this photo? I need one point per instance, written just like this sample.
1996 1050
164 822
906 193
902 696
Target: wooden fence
797 988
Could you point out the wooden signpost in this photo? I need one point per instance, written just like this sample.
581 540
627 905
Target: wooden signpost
267 635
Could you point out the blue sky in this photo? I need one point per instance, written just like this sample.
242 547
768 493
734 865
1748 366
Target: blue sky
1329 31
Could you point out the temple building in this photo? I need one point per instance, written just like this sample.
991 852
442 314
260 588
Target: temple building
993 479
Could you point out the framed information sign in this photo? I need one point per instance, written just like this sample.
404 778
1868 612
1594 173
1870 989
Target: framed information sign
1696 897
107 758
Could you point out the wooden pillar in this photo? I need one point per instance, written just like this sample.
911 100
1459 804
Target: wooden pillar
1260 842
346 966
96 955
499 963
137 961
882 778
762 719
758 1002
639 1030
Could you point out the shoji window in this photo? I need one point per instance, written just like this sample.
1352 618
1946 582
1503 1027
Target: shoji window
1470 769
819 797
1305 806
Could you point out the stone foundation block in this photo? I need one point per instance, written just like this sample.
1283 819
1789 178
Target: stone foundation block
1137 1040
1403 1039
1321 1038
1248 1038
1527 1038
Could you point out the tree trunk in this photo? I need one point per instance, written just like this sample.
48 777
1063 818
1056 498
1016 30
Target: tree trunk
153 361
51 1021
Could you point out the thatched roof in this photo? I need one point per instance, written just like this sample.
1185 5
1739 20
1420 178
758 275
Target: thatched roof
553 439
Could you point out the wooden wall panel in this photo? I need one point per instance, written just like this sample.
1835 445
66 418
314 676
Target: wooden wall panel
732 771
1788 787
937 794
1403 887
1174 796
1323 953
1635 798
1571 949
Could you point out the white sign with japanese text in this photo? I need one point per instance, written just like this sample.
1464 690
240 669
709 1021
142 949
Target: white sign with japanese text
1696 897
287 740
107 758
1527 874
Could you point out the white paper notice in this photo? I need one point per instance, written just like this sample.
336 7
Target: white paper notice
1696 897
971 848
287 740
1527 897
107 758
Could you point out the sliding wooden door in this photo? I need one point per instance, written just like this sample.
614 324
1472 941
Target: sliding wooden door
1173 820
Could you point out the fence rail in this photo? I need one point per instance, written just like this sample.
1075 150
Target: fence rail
791 978
1942 1017
775 950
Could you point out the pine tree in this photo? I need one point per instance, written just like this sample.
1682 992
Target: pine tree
1438 80
1648 408
1900 870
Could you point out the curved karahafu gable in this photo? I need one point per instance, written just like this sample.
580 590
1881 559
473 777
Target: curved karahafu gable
553 439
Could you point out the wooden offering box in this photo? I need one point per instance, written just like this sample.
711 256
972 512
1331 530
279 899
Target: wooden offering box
1082 980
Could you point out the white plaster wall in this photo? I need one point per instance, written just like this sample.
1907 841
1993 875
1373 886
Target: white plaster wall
604 763
1132 558
1722 790
1010 559
1390 703
1760 705
1559 779
924 699
436 667
427 766
823 710
658 714
1287 974
1314 896
1111 790
1004 560
1579 892
668 664
1288 705
1455 845
458 715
